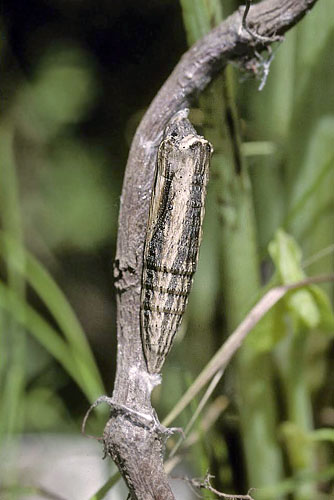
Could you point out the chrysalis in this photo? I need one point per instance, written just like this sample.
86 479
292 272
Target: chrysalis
173 235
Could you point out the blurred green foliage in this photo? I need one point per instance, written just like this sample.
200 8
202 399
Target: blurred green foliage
74 81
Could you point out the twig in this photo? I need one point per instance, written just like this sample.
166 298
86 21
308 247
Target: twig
198 410
210 416
317 256
206 484
253 34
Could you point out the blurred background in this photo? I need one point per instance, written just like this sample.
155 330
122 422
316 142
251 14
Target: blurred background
76 77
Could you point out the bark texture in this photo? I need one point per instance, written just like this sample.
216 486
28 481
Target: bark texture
133 436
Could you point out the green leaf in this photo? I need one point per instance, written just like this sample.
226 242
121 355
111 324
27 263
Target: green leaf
326 319
304 308
287 257
269 330
309 307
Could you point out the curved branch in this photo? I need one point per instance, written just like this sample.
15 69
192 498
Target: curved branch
133 437
198 66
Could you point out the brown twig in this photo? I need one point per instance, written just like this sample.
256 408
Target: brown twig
137 448
253 34
206 485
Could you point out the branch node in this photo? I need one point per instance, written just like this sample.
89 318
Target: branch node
246 26
205 484
101 399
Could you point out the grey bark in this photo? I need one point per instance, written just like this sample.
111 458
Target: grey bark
133 436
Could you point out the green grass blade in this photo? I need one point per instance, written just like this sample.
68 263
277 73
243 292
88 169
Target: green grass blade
49 338
13 341
101 493
196 21
50 293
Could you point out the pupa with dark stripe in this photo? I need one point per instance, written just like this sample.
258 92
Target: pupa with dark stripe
173 235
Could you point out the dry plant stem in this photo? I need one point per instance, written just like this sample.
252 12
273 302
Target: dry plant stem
210 416
204 400
136 444
206 484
